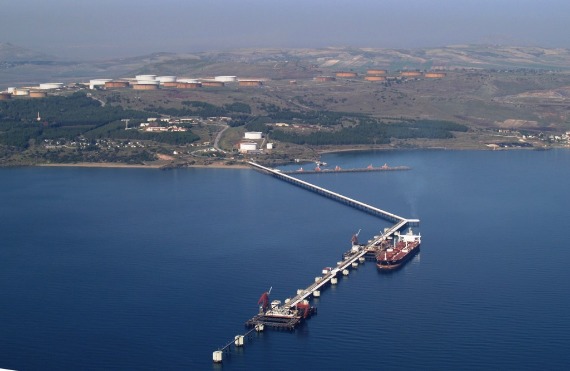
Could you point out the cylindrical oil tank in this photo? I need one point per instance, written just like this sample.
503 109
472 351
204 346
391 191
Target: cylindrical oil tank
250 82
193 81
116 84
375 78
145 86
147 82
145 77
5 96
170 84
51 85
97 82
213 84
38 94
434 75
21 92
324 78
188 85
163 79
410 73
226 78
375 71
346 74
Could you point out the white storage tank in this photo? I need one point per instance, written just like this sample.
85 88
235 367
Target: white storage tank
145 77
189 81
163 79
97 82
51 85
21 92
226 78
253 135
148 82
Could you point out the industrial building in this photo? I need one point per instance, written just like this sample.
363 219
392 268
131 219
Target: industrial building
245 147
253 135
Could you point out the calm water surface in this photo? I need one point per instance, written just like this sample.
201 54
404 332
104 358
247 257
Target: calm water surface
146 269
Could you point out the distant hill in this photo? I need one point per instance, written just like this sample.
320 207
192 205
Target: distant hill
14 53
23 66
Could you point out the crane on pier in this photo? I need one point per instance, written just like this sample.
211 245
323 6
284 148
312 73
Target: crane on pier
264 300
355 238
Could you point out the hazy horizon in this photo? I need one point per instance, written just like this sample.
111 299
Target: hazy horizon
107 29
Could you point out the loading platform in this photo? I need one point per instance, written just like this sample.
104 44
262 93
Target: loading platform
337 170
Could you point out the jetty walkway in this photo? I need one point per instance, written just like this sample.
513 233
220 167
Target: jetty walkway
333 195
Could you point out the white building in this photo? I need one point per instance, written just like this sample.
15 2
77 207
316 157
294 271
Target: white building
253 135
245 147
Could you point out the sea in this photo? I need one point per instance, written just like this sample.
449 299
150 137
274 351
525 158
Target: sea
145 269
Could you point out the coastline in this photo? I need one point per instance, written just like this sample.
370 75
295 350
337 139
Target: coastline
167 165
138 166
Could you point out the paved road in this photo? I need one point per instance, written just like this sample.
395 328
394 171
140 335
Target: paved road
217 140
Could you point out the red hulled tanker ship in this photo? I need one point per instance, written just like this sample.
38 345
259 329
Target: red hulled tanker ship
405 247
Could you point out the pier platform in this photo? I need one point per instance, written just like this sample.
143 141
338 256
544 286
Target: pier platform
337 170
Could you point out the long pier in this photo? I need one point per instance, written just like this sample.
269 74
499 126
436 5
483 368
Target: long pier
351 259
335 196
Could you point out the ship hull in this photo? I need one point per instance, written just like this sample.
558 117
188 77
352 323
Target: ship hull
392 265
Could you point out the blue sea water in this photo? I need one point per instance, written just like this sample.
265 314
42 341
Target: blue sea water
147 269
